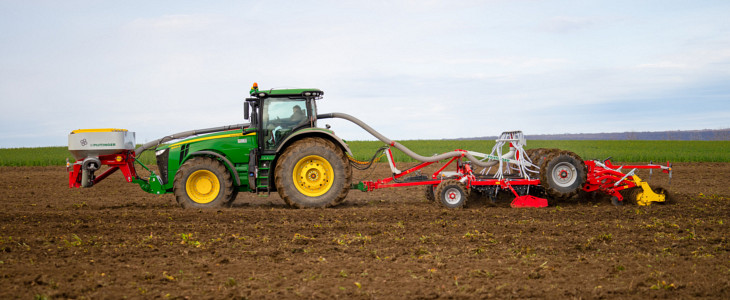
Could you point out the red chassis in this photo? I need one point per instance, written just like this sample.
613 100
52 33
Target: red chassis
122 161
464 173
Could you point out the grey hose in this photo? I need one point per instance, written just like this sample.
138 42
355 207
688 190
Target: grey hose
184 134
405 150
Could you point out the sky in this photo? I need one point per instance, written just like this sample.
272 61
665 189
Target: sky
410 69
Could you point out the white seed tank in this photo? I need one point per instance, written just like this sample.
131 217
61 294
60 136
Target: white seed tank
84 143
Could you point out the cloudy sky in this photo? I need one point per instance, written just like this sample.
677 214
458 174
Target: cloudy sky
411 69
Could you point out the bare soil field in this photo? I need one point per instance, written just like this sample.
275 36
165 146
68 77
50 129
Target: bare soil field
115 241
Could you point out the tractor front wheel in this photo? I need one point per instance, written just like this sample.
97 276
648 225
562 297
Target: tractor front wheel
203 182
313 172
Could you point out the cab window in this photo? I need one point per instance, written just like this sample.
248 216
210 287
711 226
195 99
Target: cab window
280 117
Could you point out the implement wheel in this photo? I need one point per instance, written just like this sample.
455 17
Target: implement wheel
429 193
313 172
203 182
562 174
452 193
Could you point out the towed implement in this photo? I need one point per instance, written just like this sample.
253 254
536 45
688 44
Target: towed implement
282 150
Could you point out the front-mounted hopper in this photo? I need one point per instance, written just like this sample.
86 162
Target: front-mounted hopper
94 148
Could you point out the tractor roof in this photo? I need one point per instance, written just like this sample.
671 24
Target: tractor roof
287 92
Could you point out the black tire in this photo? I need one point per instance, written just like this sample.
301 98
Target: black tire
321 159
203 182
562 174
452 193
537 156
429 191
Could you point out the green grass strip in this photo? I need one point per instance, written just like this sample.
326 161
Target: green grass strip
621 151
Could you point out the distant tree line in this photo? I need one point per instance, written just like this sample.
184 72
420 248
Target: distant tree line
677 135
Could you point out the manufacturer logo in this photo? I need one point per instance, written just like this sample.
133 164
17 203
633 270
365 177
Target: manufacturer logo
104 145
84 142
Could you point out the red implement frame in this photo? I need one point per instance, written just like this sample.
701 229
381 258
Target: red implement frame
466 175
607 178
122 161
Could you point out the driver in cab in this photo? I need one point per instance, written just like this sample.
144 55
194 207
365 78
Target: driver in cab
297 115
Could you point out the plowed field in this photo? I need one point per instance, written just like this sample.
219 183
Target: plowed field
114 241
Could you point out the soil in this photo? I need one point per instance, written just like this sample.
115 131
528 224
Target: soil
115 241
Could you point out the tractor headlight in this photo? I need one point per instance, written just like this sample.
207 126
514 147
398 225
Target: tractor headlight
159 152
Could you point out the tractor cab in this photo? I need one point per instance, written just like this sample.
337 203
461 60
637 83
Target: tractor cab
276 113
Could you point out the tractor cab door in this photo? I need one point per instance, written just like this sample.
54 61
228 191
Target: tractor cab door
280 116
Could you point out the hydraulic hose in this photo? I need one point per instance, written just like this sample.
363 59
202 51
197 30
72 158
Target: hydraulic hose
184 134
405 150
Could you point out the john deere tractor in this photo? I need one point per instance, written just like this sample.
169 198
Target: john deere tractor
281 150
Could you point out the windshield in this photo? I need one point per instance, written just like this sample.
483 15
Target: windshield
280 116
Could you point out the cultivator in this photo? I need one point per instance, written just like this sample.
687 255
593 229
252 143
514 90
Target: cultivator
531 176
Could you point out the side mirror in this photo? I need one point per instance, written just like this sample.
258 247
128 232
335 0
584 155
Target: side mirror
245 110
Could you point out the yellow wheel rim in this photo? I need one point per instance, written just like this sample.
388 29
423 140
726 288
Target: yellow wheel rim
203 186
313 176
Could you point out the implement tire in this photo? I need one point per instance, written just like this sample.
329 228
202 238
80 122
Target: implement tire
203 182
452 193
562 174
313 172
538 155
429 193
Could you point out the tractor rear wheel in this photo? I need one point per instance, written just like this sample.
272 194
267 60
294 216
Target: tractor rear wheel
313 172
562 174
203 182
452 193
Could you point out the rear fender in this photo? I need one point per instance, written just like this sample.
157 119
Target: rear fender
313 132
305 133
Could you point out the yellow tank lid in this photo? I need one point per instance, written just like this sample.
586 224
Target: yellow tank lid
98 130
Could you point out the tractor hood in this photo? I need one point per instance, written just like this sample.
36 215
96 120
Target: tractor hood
205 137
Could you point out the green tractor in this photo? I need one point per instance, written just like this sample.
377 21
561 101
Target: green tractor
281 150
